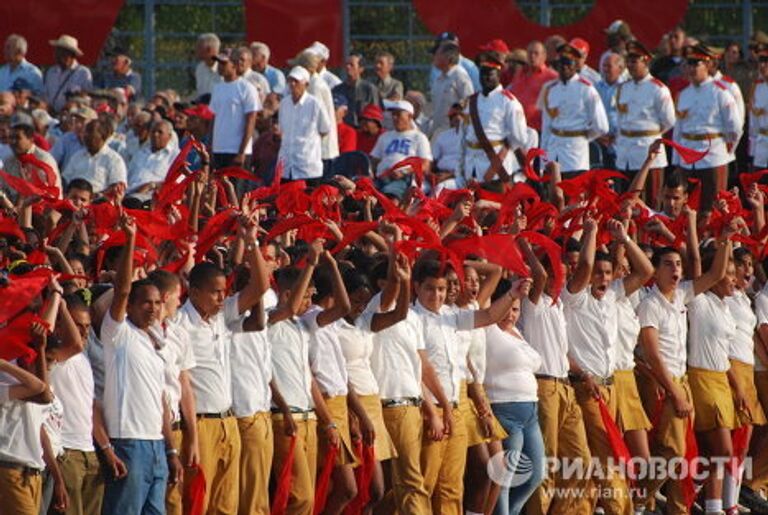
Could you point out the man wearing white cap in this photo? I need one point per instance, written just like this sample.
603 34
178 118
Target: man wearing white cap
395 145
324 53
303 122
68 75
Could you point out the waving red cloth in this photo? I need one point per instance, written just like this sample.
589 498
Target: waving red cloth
691 455
615 438
15 337
688 155
221 223
528 170
554 253
19 292
500 249
363 478
284 482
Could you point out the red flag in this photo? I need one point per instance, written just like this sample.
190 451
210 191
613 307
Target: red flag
20 291
416 164
363 478
740 442
748 179
26 188
500 249
284 482
16 337
235 172
353 231
324 481
9 227
691 455
219 224
50 174
688 155
194 492
615 438
528 170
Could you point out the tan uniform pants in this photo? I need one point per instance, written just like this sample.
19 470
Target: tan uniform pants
173 496
759 480
302 497
20 492
84 480
562 427
219 442
256 452
443 464
613 488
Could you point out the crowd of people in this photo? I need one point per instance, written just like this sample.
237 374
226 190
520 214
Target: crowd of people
297 293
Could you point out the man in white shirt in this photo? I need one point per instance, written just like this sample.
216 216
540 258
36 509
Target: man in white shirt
149 167
303 122
398 144
235 102
663 340
592 323
324 53
243 59
443 459
452 85
447 151
206 72
137 418
210 318
97 163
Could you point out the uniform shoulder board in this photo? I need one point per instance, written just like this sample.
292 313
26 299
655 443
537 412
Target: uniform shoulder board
584 81
721 85
657 82
728 79
508 94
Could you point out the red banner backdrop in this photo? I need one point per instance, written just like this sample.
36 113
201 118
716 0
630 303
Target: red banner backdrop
289 25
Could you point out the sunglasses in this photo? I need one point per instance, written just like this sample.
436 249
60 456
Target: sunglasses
566 61
693 62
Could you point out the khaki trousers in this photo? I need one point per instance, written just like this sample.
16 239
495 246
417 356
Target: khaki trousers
257 448
219 442
302 497
173 495
759 479
405 426
562 427
20 492
614 495
84 481
443 464
666 440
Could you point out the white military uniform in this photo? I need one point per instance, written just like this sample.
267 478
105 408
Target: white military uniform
707 119
503 120
572 116
645 111
758 123
734 89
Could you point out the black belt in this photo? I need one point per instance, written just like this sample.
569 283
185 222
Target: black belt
223 414
545 377
27 471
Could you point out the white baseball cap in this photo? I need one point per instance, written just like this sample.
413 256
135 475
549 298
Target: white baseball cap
398 105
299 73
320 50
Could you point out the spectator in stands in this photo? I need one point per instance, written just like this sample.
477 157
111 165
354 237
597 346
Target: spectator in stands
235 103
527 86
150 166
347 133
324 53
612 69
122 75
72 142
420 118
16 66
7 103
22 91
618 34
389 87
302 123
261 64
551 44
243 59
584 70
735 66
668 67
447 150
371 119
206 72
43 123
138 135
468 64
22 143
516 62
97 163
452 85
67 75
359 92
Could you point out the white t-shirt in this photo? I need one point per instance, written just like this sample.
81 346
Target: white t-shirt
742 344
712 327
231 102
134 375
53 424
177 351
544 328
73 382
20 424
512 363
290 362
629 330
393 146
357 346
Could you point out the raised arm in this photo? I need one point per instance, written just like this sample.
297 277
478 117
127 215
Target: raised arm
642 269
499 309
124 270
538 272
300 288
583 273
402 277
637 186
258 283
492 274
29 384
717 271
341 304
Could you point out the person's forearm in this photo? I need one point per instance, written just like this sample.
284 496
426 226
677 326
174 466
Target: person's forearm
100 434
250 123
188 407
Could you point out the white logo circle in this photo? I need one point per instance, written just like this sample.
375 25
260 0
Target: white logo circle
509 468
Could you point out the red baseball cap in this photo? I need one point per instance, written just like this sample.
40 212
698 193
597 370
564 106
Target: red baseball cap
581 45
495 45
201 111
372 112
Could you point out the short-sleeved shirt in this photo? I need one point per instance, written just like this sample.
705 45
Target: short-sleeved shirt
712 327
326 358
290 362
512 363
742 344
670 319
179 357
73 382
20 424
231 102
134 381
394 146
357 345
251 362
544 329
102 169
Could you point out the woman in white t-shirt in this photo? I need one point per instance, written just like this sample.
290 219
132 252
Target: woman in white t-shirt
512 390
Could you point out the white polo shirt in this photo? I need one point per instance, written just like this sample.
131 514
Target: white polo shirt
326 358
712 327
670 319
73 381
629 330
290 362
20 424
395 359
544 329
357 346
742 345
211 345
150 166
512 365
102 169
592 328
301 124
179 356
443 346
134 381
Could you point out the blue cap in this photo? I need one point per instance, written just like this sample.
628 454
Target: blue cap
21 84
340 101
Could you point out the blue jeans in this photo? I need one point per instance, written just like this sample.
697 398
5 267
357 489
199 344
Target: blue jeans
524 453
142 491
